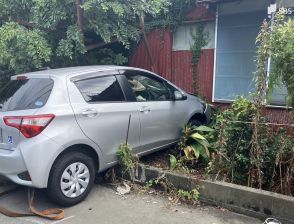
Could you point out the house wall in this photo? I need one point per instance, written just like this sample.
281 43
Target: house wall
176 66
160 42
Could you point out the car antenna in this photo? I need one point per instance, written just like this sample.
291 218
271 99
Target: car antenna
127 138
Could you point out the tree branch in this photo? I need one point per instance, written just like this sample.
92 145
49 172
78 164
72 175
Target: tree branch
25 23
101 44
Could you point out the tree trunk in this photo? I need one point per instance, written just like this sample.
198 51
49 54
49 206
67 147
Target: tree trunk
80 15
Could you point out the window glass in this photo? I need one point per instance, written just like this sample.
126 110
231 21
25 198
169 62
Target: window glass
182 36
147 88
236 52
25 94
100 89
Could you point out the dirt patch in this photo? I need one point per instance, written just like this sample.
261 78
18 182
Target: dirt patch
160 160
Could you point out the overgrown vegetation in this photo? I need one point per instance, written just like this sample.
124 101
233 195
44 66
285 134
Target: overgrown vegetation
278 40
173 16
43 33
233 162
251 151
199 40
127 160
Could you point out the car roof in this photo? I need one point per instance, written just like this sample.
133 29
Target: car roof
64 72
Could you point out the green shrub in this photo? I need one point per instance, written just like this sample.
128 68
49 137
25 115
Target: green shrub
234 128
234 139
193 146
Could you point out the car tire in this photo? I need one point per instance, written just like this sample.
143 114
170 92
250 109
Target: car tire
71 178
194 122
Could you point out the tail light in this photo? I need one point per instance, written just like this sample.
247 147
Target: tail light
29 126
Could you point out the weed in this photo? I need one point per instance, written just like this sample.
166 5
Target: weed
126 159
189 196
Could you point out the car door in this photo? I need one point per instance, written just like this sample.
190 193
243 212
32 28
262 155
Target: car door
161 116
103 113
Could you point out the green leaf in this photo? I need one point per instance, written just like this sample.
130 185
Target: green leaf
196 149
173 161
197 136
204 129
204 152
203 142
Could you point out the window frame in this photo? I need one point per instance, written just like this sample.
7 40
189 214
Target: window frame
97 75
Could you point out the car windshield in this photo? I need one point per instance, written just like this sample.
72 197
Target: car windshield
25 94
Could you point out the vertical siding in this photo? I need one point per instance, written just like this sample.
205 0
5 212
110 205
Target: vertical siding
182 70
279 115
161 44
175 65
205 74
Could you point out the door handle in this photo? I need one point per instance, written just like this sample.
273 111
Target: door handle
144 109
89 113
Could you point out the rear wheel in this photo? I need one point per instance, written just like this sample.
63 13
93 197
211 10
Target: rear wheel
71 178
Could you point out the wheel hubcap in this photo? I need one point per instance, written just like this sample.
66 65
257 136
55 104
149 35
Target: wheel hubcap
75 180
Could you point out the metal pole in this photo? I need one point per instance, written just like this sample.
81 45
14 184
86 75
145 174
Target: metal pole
127 138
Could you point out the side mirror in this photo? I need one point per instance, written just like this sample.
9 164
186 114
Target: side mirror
179 96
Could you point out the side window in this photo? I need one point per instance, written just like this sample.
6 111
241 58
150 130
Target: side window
100 89
171 90
148 88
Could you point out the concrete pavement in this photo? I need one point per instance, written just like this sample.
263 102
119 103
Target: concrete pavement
103 206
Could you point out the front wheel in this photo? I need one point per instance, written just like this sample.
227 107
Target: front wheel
71 178
194 123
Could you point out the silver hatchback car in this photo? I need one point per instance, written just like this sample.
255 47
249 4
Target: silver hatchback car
59 127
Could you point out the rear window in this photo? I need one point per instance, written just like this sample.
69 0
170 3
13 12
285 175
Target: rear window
25 94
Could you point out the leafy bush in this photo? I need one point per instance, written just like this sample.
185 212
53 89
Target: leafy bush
193 147
193 143
233 160
237 137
